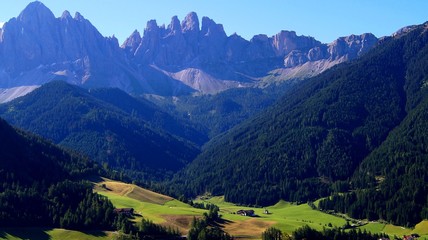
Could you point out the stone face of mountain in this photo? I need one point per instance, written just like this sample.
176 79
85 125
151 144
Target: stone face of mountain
132 42
181 58
224 62
36 48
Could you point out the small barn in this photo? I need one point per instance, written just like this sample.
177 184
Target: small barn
248 213
126 211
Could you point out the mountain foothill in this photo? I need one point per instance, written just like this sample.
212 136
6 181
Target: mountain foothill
186 110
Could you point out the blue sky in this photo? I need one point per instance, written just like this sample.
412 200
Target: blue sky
323 19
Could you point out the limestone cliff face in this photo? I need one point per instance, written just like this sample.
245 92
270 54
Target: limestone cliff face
351 46
36 47
233 61
342 49
181 58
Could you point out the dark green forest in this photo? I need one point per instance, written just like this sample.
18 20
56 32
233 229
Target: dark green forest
392 182
358 126
109 126
309 233
41 185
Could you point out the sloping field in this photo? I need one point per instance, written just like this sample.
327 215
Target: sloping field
131 191
159 208
250 228
422 228
285 216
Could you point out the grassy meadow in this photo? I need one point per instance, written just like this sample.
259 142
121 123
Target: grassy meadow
170 212
159 208
285 216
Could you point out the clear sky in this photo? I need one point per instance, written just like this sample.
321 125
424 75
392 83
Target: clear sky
325 20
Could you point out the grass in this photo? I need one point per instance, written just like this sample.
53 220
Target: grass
283 215
131 191
170 212
422 228
392 230
52 234
156 207
288 217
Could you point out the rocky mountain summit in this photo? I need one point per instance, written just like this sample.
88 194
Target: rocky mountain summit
181 58
206 56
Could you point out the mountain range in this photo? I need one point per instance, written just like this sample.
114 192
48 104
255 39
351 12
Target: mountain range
182 58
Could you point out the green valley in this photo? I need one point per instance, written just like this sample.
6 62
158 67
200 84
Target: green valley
285 216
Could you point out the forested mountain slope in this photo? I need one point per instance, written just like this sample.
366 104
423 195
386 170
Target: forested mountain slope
41 185
314 139
394 176
215 114
107 125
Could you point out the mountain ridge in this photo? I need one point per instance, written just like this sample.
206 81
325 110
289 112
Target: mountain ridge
182 58
107 125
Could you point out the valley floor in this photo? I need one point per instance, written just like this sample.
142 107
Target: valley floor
170 212
285 216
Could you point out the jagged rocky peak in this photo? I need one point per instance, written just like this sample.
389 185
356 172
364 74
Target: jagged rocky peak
113 41
190 23
66 15
151 26
78 17
260 38
174 27
132 42
210 28
35 13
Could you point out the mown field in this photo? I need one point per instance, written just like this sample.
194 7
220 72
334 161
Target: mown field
159 208
283 215
287 217
167 211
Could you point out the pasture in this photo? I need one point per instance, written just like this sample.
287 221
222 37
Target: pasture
170 212
285 216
